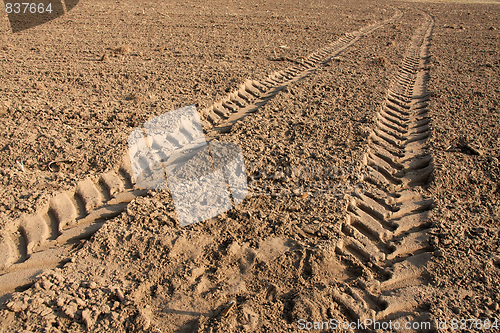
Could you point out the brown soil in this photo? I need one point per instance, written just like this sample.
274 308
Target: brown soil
73 89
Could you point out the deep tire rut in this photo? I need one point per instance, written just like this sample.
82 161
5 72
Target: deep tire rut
386 230
44 239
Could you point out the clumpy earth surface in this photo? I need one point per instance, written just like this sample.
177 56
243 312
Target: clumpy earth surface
72 90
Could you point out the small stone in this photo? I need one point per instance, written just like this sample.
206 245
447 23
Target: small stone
92 285
120 295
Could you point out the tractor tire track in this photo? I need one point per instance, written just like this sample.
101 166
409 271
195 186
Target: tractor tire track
386 229
252 94
44 240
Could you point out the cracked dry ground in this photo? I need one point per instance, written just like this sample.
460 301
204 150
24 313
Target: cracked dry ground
396 101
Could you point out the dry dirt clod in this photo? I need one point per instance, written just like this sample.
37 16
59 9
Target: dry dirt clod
87 318
380 61
122 49
51 164
70 309
17 306
136 98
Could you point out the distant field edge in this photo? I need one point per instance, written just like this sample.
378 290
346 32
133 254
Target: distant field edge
496 2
